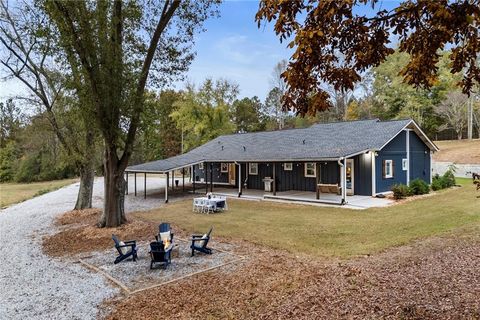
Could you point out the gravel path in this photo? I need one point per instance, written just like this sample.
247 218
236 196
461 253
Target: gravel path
35 286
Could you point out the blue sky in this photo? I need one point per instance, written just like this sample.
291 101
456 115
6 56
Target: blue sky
234 48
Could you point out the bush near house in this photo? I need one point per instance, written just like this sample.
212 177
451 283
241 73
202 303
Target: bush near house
418 186
400 191
447 180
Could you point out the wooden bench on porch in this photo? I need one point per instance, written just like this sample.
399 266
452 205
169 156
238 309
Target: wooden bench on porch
328 188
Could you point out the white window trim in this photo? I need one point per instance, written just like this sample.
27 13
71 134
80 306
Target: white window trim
388 176
314 175
200 166
404 164
288 166
222 168
251 166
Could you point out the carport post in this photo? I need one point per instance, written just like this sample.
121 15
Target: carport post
135 182
183 179
173 178
166 190
145 186
274 181
239 180
211 177
205 165
193 173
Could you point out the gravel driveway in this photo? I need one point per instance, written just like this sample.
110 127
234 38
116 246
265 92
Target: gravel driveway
35 286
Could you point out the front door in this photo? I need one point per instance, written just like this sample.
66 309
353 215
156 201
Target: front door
350 176
231 173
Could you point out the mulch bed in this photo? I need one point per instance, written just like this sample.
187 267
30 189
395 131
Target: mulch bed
431 279
79 233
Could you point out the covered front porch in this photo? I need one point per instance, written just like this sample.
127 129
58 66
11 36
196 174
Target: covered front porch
306 197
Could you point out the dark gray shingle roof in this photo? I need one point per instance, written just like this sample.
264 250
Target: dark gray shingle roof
320 141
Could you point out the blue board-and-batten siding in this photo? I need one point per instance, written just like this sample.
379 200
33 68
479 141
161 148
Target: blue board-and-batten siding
419 159
218 176
396 150
293 179
362 173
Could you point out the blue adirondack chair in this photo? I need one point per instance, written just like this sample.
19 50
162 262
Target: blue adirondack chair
200 242
130 246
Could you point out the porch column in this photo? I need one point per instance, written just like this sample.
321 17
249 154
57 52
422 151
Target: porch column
205 166
274 181
126 183
192 173
135 182
407 132
374 175
145 186
166 189
317 193
344 189
211 177
239 180
183 179
173 178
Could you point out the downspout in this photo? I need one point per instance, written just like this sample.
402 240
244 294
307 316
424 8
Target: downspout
342 179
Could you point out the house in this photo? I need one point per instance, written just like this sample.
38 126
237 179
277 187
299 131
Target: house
329 160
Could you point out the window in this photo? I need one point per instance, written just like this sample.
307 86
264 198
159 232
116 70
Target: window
388 169
310 170
200 166
224 167
404 164
253 169
287 166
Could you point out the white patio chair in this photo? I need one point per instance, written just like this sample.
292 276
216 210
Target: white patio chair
209 206
197 205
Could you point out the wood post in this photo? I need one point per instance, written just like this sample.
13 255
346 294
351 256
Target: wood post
274 180
183 179
205 169
145 186
239 180
192 173
211 177
173 179
317 190
135 182
166 189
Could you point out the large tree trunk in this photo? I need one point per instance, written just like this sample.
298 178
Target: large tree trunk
85 192
114 192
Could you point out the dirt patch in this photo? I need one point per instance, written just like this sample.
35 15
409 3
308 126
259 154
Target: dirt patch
436 278
458 151
80 234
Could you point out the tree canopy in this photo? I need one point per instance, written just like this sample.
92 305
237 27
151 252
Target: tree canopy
322 31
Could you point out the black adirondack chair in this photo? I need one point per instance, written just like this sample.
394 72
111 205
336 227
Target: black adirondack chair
160 255
131 247
164 227
199 243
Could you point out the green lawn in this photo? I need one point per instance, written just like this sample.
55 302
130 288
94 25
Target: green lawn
329 231
11 193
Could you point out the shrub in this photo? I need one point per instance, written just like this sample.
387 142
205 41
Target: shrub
448 179
445 181
400 191
437 183
418 186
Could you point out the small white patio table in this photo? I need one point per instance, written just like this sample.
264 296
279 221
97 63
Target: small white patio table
215 203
